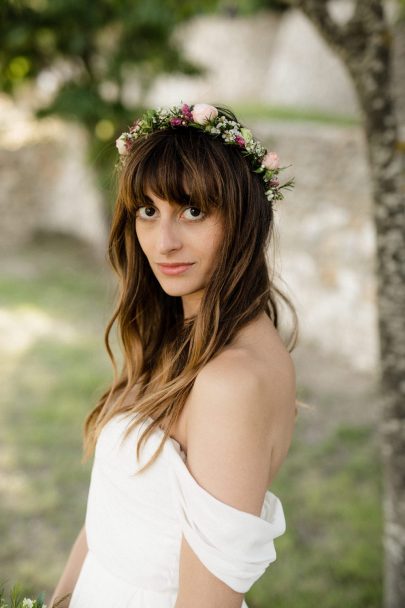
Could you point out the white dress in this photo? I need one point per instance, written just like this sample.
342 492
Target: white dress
134 526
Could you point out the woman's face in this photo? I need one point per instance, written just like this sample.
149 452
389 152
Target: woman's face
181 244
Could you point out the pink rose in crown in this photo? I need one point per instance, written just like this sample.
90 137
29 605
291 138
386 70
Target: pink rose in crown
202 112
175 122
271 160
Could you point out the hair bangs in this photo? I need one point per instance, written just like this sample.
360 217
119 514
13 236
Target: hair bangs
181 168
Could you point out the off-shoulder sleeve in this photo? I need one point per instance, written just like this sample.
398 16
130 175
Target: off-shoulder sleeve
234 545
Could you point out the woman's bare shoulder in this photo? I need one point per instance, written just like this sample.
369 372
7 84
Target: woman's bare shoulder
244 397
257 361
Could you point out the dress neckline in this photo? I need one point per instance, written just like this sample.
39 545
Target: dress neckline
161 431
158 428
267 512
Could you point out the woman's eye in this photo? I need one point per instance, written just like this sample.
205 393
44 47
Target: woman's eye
145 212
193 213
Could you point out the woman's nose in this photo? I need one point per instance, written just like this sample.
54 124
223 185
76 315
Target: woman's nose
169 238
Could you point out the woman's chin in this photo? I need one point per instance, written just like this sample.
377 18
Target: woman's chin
176 293
178 290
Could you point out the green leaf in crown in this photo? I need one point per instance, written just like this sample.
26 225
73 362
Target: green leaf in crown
246 134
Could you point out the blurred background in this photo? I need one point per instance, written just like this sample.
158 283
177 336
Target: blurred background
73 76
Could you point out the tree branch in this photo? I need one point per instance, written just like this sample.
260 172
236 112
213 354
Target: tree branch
367 11
367 21
355 34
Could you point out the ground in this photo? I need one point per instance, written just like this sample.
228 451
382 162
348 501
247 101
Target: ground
56 300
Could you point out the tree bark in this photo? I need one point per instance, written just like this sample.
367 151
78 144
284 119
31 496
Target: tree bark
364 43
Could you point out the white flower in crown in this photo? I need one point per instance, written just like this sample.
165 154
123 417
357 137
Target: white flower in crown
203 112
27 603
122 144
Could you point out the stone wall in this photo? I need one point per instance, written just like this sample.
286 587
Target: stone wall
325 237
234 51
304 72
272 59
46 183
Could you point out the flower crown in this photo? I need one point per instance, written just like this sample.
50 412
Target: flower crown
209 119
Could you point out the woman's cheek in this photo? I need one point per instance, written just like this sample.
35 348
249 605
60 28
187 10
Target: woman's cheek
143 236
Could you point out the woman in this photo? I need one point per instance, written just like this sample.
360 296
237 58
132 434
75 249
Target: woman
180 515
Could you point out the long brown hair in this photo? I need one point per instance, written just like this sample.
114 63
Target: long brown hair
163 352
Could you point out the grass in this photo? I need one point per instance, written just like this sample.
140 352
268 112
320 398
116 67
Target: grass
330 488
331 553
50 386
257 111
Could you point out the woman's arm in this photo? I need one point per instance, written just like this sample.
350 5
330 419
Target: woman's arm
72 569
238 434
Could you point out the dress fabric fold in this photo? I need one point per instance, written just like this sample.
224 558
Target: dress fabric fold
135 523
234 545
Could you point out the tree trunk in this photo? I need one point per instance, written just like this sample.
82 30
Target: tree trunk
388 186
364 44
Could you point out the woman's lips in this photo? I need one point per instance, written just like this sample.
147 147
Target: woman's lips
172 269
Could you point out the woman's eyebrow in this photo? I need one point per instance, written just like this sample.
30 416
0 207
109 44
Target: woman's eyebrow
182 202
147 199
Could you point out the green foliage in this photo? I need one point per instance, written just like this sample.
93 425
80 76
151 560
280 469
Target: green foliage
18 600
90 49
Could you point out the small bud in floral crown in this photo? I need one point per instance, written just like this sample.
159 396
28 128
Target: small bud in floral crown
187 113
240 141
216 123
